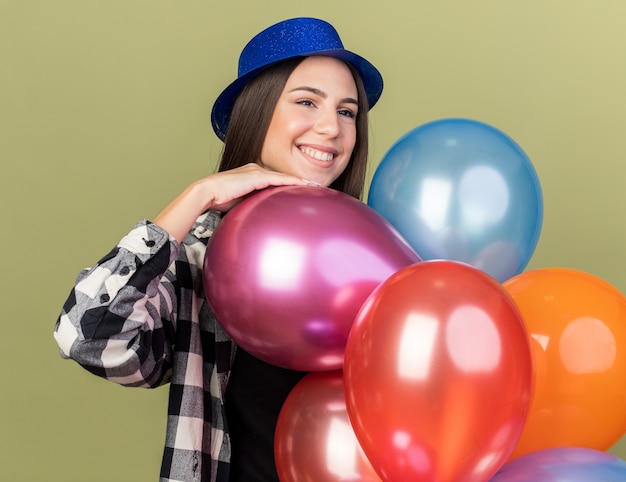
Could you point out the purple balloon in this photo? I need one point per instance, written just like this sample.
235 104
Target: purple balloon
563 464
287 270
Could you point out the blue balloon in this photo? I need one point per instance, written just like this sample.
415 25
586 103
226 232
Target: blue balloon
563 464
462 190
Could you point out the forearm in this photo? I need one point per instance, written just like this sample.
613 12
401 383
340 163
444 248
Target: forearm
115 320
179 215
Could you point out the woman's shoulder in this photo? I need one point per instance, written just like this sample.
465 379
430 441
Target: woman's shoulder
195 243
189 262
203 227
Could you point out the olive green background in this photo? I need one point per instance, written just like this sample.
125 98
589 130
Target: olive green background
104 117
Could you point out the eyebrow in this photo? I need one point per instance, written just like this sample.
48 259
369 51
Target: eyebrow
321 93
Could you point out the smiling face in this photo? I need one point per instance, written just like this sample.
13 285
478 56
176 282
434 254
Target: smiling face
313 128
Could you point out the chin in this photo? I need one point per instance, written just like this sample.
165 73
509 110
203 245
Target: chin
325 181
321 182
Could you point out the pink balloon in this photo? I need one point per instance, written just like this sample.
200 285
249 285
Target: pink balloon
314 440
287 270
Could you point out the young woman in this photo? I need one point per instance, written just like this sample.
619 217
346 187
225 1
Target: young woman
296 115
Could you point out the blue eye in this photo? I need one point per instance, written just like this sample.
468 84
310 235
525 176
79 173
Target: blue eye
306 102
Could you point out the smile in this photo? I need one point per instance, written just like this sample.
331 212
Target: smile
319 155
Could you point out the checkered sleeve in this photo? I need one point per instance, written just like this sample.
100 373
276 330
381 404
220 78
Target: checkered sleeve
119 319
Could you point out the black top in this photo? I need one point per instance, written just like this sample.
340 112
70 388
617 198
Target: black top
254 396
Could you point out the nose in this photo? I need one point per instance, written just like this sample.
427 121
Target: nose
327 122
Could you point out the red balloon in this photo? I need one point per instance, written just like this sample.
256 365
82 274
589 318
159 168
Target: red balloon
438 374
314 441
287 270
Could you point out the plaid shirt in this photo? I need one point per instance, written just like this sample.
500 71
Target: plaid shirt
139 317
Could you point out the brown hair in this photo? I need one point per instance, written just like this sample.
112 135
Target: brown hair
250 120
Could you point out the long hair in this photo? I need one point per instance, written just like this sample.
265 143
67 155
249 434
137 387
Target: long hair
252 113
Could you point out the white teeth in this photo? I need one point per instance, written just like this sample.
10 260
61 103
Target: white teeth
319 155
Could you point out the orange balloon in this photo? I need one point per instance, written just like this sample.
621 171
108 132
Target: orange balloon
577 327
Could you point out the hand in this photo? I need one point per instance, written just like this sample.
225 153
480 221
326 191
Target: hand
228 188
221 192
